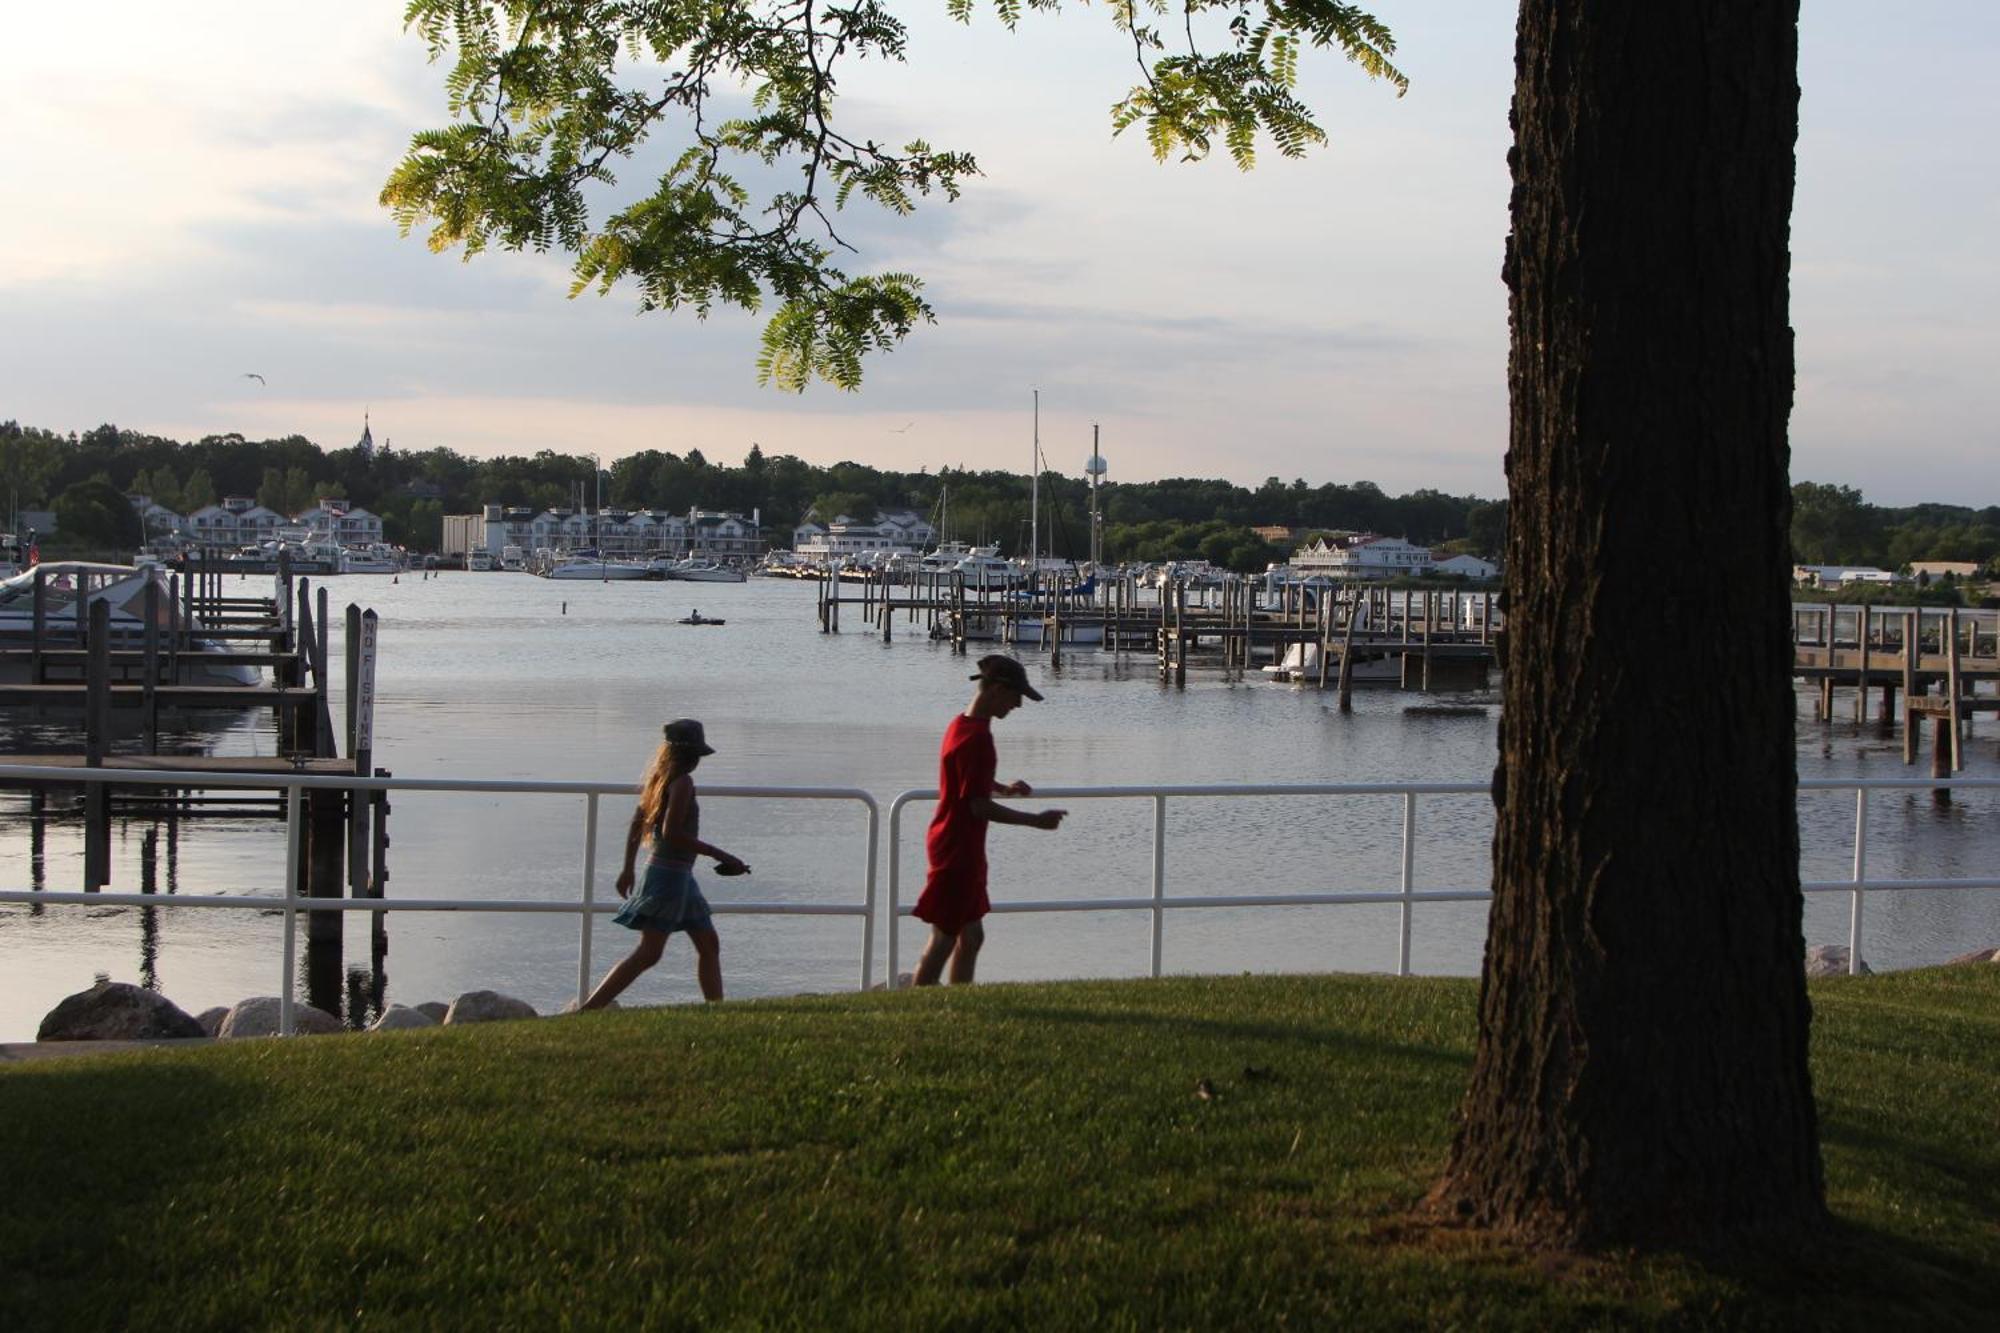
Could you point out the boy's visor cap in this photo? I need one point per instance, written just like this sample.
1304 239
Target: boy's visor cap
999 667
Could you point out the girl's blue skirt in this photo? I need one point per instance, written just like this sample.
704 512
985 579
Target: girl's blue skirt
667 900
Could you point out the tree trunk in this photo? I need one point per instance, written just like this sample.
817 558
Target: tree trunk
1641 1074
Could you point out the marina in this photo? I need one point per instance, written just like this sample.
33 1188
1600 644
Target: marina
487 680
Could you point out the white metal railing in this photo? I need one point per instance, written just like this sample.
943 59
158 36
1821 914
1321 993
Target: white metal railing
293 902
1406 895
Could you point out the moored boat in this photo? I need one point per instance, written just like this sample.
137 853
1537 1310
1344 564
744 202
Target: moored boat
69 589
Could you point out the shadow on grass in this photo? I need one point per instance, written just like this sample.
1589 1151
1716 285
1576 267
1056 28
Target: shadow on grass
1305 1034
92 1156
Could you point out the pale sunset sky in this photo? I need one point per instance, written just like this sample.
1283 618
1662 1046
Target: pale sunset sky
191 195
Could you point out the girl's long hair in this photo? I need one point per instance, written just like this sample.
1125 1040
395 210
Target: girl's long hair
669 762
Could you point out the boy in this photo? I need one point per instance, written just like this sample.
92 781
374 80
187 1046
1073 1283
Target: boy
954 897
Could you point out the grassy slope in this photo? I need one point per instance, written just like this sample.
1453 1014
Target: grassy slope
1011 1155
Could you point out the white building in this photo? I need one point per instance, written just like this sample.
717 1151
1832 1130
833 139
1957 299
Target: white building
336 521
1467 567
1362 555
897 532
238 521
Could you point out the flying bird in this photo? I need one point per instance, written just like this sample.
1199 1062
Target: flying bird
253 375
898 430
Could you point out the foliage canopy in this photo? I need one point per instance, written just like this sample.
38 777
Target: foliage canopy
549 98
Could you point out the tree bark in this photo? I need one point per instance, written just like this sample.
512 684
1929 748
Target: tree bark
1641 1072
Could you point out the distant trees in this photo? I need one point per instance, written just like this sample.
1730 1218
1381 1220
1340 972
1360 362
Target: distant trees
96 514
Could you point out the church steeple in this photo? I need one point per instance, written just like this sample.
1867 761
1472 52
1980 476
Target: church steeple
366 444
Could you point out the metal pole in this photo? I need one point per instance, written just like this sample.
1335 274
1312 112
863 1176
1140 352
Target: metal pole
589 888
294 809
1860 873
1159 877
868 901
895 866
1409 867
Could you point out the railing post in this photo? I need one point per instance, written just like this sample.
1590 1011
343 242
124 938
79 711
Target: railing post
294 819
868 901
589 891
895 876
1860 874
1409 877
1159 876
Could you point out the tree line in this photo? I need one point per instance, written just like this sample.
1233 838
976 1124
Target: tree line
1834 525
84 477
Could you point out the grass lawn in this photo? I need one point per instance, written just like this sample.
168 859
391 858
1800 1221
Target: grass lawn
1007 1156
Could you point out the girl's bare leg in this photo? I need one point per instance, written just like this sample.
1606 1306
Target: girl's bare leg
627 970
931 966
965 955
707 962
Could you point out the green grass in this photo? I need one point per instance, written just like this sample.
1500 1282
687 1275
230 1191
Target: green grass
1007 1156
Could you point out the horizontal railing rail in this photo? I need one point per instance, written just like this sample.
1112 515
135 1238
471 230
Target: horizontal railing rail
291 903
1406 894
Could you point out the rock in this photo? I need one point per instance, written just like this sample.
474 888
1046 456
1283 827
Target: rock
116 1011
399 1016
211 1019
1830 960
258 1017
904 980
485 1006
436 1009
571 1006
1976 956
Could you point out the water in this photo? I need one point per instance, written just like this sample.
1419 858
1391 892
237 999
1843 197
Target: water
507 676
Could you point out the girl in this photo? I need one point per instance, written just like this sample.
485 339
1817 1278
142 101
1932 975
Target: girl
669 900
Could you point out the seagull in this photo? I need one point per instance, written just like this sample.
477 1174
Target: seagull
898 430
253 375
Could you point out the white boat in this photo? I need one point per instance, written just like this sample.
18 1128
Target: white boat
599 568
704 571
374 558
480 561
1301 663
12 558
984 569
69 589
513 559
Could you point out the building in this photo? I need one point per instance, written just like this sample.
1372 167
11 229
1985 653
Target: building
1930 571
238 521
334 520
1362 555
897 532
1276 534
718 535
1467 567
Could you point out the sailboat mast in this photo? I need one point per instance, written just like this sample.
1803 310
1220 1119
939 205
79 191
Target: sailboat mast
1035 489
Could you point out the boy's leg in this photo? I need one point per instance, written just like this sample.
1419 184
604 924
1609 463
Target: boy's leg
931 966
644 954
707 961
965 956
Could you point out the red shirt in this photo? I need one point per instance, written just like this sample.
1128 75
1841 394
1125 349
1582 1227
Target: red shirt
955 890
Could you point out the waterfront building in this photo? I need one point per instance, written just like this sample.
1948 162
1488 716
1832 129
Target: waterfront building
1361 555
894 532
237 521
1467 567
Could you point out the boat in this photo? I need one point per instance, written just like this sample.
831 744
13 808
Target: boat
513 560
1301 663
374 558
12 558
480 561
69 589
697 618
704 571
592 566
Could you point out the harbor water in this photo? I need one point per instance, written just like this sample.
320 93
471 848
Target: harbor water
512 677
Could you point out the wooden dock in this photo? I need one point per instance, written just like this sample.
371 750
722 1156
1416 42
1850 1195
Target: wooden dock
73 671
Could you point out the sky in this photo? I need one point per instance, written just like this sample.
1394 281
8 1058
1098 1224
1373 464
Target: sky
191 196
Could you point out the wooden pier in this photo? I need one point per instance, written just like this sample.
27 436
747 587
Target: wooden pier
71 671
